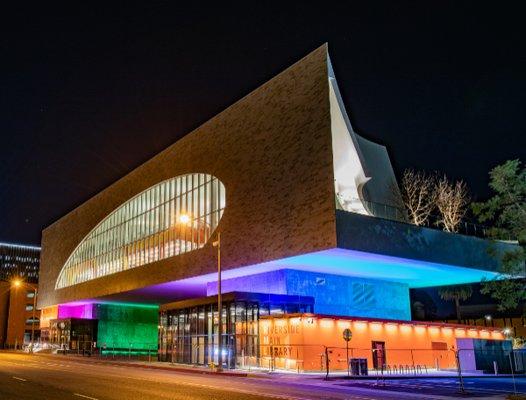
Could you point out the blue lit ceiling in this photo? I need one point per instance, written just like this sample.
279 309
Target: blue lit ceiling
364 265
334 261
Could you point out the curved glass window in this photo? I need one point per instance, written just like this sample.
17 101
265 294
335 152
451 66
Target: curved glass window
173 217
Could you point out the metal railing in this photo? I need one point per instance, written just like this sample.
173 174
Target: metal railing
393 213
487 361
136 351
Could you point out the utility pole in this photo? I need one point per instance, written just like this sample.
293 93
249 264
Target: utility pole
217 244
17 283
33 320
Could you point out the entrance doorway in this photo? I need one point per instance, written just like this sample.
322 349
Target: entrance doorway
379 360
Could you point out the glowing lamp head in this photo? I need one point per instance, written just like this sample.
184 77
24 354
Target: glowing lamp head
184 219
488 317
17 282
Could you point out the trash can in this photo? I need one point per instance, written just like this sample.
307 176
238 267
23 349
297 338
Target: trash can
358 366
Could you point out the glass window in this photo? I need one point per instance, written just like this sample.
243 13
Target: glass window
149 227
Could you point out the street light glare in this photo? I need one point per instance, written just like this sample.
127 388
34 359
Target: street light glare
184 219
16 282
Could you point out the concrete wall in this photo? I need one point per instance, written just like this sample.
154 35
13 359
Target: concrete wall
272 150
333 294
398 239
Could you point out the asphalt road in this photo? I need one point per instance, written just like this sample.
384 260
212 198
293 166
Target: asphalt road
25 376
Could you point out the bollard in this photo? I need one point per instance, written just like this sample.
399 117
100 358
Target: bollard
495 367
459 370
413 360
512 374
326 363
271 362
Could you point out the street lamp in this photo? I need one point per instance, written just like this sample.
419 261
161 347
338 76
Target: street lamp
217 244
17 283
185 219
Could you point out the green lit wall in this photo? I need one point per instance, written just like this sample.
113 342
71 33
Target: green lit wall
123 326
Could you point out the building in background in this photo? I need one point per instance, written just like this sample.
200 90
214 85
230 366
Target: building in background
19 261
19 318
297 203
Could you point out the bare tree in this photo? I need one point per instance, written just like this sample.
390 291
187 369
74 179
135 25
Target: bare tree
452 200
456 293
417 195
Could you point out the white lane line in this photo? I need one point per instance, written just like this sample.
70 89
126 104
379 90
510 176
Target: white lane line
236 390
19 379
84 396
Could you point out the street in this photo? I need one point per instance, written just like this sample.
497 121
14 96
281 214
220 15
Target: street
25 376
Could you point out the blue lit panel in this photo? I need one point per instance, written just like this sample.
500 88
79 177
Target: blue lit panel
334 261
365 265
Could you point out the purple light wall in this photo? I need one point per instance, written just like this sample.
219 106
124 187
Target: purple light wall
76 311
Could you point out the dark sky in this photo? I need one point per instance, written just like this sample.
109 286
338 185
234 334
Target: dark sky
89 93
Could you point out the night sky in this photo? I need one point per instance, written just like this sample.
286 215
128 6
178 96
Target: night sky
87 94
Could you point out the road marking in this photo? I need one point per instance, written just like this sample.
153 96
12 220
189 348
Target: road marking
84 396
19 379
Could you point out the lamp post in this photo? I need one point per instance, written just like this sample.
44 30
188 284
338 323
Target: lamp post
185 220
17 283
217 244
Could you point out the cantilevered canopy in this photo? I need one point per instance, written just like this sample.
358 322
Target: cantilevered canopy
335 261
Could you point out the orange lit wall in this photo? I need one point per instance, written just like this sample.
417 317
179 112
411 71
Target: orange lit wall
298 341
47 314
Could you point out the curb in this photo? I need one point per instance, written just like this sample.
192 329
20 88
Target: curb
386 378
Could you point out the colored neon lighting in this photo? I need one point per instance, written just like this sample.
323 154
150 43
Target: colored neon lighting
114 303
127 327
334 261
359 264
76 311
86 309
132 351
122 304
